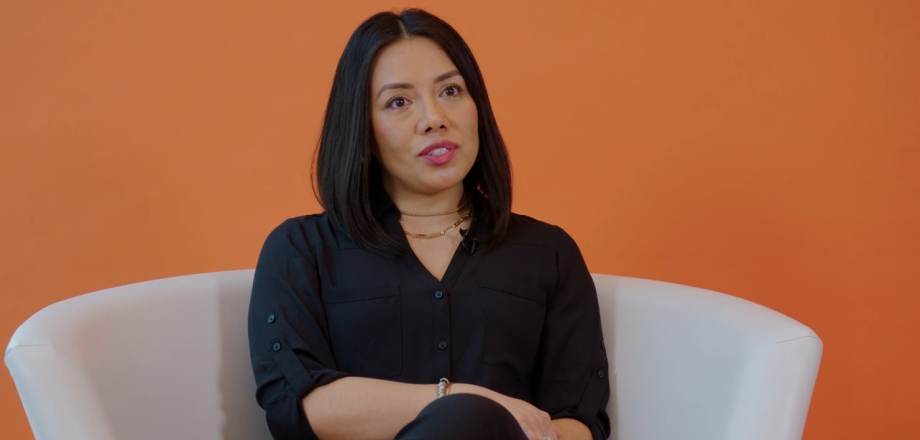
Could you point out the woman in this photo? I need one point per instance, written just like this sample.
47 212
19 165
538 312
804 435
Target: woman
417 306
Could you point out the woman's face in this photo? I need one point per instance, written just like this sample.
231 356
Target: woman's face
425 122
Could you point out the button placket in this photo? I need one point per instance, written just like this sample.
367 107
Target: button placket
441 331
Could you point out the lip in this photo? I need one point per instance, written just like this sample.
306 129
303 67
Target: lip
442 159
442 144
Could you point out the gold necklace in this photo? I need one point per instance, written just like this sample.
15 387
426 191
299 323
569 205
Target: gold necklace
439 234
435 214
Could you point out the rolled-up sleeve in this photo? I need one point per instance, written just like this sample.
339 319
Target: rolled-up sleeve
570 379
288 337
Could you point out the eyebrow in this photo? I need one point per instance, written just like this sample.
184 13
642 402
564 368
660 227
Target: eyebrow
440 78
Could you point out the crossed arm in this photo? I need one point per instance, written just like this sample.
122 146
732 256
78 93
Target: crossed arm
373 409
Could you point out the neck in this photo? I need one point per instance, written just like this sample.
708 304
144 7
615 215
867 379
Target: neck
428 203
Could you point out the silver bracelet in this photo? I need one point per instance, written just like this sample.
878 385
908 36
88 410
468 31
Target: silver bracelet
443 387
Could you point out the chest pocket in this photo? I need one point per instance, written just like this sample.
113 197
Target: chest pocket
514 313
365 330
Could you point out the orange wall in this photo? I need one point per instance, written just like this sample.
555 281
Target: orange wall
768 149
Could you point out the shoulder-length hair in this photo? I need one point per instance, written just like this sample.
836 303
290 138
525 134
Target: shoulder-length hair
347 174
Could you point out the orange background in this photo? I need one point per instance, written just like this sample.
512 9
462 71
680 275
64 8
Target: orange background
767 149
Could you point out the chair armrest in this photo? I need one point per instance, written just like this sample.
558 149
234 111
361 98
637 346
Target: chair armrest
696 364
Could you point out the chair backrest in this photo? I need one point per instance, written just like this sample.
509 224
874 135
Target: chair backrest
694 364
164 359
169 359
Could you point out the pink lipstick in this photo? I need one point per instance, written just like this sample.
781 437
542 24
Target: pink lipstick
439 153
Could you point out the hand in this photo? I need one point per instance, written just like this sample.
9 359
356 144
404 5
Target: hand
536 423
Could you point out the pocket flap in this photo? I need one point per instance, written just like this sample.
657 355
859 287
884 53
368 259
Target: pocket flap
514 287
332 295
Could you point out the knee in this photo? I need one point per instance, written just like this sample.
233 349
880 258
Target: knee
462 417
469 407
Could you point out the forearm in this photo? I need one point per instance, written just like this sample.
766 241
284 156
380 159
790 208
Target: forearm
356 407
571 429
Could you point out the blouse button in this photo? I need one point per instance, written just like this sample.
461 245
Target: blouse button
442 345
276 346
271 319
439 294
600 374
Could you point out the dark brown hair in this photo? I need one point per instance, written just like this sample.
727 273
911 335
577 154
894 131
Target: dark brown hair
348 175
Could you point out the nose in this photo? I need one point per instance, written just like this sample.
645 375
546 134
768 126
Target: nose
433 118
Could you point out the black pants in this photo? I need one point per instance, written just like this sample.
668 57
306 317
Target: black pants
463 417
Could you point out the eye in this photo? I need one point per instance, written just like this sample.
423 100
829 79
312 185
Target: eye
453 90
397 102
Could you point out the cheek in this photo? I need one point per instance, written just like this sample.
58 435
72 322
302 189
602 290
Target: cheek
390 138
467 117
472 119
471 129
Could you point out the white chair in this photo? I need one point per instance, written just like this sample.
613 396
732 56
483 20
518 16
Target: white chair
694 364
168 359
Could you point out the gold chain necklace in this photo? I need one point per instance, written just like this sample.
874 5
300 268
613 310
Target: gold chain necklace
442 233
435 214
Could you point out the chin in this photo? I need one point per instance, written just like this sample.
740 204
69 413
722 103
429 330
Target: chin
439 185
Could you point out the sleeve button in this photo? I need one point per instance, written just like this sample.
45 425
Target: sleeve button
271 319
600 374
276 346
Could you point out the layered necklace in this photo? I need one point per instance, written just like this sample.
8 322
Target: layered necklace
435 214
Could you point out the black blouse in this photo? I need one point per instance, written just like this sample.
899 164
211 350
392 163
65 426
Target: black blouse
521 320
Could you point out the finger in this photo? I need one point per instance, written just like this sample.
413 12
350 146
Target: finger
550 432
542 426
529 432
548 428
534 433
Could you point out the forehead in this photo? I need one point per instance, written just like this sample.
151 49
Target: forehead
417 59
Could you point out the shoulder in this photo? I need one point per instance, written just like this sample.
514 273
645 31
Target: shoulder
528 231
298 235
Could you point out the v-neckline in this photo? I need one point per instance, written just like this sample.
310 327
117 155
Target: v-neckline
454 267
451 274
